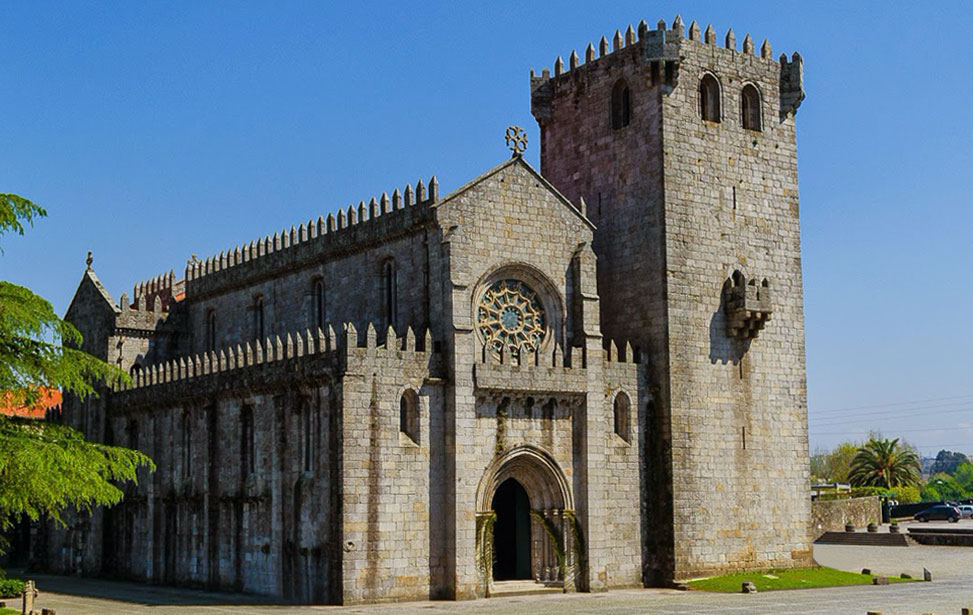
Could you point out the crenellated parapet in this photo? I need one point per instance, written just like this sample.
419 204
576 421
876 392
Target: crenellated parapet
350 229
254 360
148 313
548 371
661 48
791 84
163 287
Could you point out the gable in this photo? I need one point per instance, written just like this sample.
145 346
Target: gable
543 192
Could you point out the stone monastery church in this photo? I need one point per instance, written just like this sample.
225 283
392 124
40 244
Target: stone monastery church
548 375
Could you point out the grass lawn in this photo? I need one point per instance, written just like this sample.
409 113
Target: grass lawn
4 611
785 579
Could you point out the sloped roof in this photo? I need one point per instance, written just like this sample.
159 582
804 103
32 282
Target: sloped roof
89 277
49 398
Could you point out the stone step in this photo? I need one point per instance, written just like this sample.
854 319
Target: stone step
864 539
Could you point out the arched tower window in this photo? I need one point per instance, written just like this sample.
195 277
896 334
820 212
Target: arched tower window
391 284
318 315
258 317
709 98
211 330
622 417
621 105
750 108
409 415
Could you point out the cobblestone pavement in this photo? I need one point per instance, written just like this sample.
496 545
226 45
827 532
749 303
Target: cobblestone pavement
951 589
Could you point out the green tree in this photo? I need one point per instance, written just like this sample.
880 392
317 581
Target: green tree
884 463
948 461
833 466
964 476
945 486
46 468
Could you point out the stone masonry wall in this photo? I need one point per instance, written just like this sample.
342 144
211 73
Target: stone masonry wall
831 515
619 174
392 485
244 497
683 203
739 409
509 223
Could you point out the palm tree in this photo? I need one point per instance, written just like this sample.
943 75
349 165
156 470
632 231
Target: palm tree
884 463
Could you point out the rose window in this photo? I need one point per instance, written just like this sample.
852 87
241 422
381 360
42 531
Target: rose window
510 318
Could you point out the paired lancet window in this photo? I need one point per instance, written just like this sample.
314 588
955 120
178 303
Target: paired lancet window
621 105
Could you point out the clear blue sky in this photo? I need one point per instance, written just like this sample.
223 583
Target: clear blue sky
152 131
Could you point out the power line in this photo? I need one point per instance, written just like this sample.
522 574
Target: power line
895 403
890 415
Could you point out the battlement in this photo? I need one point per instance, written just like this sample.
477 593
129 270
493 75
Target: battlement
356 225
552 371
652 43
663 49
294 345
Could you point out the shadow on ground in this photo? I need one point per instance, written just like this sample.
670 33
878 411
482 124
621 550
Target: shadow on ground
141 593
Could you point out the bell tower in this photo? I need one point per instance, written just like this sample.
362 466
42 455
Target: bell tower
684 150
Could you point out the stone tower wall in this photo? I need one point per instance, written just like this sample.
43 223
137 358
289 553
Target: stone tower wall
739 408
668 237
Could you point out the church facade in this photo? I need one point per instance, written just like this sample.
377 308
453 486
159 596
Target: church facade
550 375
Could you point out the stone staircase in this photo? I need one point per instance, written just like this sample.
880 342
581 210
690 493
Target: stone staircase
863 539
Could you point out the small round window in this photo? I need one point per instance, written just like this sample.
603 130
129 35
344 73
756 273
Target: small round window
510 318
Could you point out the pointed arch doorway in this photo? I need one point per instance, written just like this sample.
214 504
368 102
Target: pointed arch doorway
525 522
511 532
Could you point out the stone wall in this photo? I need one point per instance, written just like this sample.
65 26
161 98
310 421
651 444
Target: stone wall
831 515
680 204
739 407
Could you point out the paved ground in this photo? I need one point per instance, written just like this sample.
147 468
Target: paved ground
951 589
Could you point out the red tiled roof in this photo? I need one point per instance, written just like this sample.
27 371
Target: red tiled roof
49 398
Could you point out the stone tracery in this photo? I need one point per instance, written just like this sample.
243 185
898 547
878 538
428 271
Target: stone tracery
510 318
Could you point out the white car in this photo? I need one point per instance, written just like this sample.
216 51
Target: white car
965 510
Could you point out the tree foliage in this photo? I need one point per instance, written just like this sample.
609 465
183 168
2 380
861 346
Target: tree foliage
46 468
948 461
884 463
833 466
964 476
942 486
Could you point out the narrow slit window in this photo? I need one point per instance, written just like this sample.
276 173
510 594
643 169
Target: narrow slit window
308 435
319 318
409 415
621 416
211 330
391 294
247 453
187 445
258 317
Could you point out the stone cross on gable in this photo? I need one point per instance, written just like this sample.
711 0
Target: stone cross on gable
516 140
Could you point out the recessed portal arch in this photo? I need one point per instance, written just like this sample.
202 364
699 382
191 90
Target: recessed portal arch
526 480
